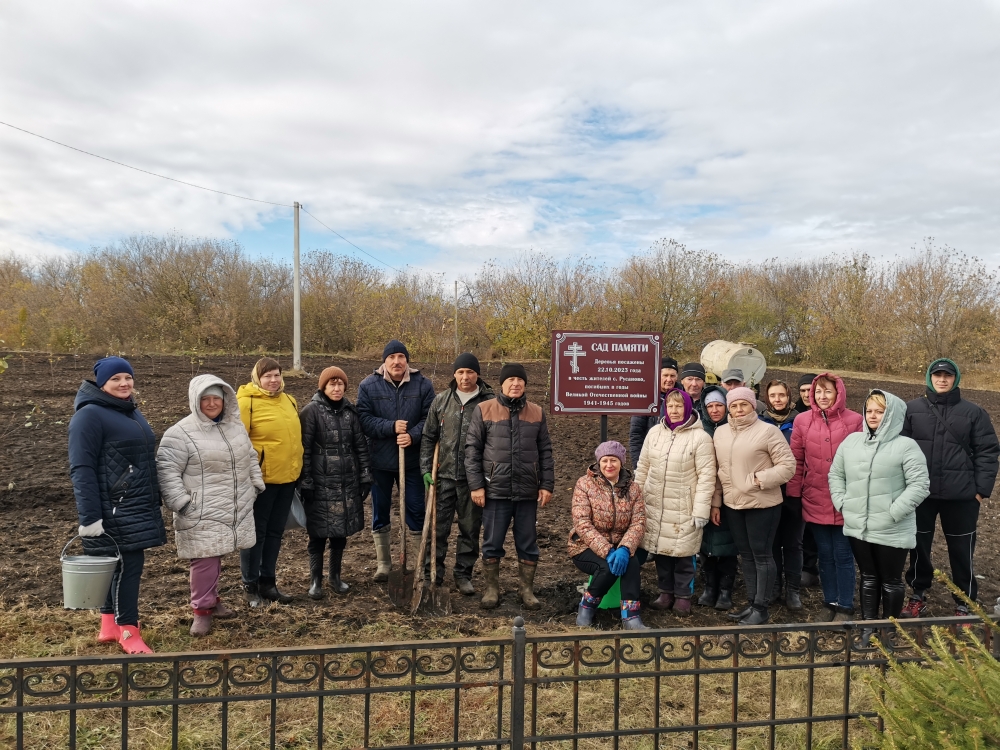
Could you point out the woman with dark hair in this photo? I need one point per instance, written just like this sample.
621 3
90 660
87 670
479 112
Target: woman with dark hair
112 464
271 418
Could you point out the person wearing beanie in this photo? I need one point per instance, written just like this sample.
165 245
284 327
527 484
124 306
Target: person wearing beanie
754 461
608 525
508 464
815 438
805 391
271 419
677 473
447 426
112 465
209 477
393 402
961 448
693 381
640 426
336 477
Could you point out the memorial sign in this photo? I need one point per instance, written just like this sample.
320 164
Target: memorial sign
596 372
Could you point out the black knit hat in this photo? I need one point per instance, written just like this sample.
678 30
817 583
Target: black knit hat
513 370
807 379
669 362
468 361
395 347
693 370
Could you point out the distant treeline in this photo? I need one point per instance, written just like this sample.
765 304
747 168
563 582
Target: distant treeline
149 294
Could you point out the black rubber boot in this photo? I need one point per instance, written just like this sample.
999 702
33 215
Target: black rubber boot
725 600
710 595
316 575
251 593
893 599
336 558
269 590
871 596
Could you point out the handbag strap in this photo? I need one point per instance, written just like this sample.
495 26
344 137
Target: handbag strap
950 429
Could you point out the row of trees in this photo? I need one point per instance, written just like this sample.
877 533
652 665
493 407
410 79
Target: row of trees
172 294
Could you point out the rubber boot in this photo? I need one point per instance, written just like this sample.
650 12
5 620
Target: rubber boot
251 592
526 577
383 555
871 596
491 572
202 624
316 575
337 586
710 595
893 597
725 600
464 586
109 630
413 539
131 640
587 610
630 616
268 588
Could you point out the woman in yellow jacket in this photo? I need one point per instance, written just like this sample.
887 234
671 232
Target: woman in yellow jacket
271 417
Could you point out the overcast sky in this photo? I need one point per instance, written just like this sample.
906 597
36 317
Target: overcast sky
441 134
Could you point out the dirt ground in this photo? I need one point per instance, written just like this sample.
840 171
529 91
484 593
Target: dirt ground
38 516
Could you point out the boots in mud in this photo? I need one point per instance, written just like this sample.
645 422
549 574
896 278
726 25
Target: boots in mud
383 554
316 575
491 572
526 578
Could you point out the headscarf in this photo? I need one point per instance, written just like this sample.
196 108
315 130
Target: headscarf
255 377
688 409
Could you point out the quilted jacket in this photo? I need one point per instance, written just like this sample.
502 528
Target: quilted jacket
877 481
815 439
112 464
209 477
448 423
747 448
605 517
273 424
336 468
677 472
381 403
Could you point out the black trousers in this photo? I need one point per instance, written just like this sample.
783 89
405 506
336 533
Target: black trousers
810 555
455 499
879 561
959 519
317 544
788 543
270 512
497 518
723 567
675 575
123 596
753 531
603 579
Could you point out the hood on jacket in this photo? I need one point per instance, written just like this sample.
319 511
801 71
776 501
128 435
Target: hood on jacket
89 393
892 422
839 405
198 385
930 369
723 391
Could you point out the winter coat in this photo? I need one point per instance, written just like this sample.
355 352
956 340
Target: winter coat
706 421
381 402
112 464
336 468
747 448
815 439
677 472
877 481
273 425
508 451
605 517
784 425
209 477
953 474
638 428
448 424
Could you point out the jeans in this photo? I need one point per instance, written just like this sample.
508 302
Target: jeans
497 518
454 498
753 531
123 596
603 579
958 522
836 564
788 543
205 572
382 498
270 512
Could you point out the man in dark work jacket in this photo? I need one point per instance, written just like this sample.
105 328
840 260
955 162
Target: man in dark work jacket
508 463
961 448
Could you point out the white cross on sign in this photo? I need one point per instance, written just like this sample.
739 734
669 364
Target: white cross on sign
575 351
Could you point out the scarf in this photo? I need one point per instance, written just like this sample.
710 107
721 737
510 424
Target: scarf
688 409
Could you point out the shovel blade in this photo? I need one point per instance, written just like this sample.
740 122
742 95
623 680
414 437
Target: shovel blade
400 587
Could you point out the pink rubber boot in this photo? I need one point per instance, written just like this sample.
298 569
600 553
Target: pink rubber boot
109 630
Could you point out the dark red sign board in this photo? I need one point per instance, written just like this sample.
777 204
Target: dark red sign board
605 372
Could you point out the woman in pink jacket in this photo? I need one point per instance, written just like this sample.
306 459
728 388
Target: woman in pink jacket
817 435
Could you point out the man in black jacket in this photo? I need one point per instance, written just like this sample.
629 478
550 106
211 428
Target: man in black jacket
641 425
508 462
960 444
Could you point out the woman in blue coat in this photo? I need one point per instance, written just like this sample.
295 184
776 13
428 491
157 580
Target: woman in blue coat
112 464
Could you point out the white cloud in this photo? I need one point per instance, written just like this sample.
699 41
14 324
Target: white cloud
441 133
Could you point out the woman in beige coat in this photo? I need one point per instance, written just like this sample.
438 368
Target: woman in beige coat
677 474
754 461
209 477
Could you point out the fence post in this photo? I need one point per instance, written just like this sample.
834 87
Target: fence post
517 689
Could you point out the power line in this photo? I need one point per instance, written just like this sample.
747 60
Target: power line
351 243
145 171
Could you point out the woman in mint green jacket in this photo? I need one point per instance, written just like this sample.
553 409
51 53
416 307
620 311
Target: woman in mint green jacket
877 480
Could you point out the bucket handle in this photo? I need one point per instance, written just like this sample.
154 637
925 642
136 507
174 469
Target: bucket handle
62 555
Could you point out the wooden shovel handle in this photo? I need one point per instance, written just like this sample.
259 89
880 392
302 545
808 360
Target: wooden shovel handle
402 507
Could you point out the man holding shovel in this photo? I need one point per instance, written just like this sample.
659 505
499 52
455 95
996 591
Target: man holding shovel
447 425
393 403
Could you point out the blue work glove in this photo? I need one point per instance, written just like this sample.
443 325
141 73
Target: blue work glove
618 561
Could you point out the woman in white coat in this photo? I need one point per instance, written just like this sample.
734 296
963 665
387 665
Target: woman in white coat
209 477
677 473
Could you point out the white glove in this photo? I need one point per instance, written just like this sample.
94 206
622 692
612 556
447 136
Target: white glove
95 529
699 523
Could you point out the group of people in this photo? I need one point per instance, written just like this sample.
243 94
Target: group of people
723 476
721 479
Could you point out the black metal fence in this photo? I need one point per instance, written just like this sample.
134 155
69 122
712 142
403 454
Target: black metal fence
772 686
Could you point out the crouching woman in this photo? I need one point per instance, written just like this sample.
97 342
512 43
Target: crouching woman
609 520
209 478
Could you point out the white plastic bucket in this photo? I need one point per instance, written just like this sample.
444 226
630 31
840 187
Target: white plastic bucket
86 578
